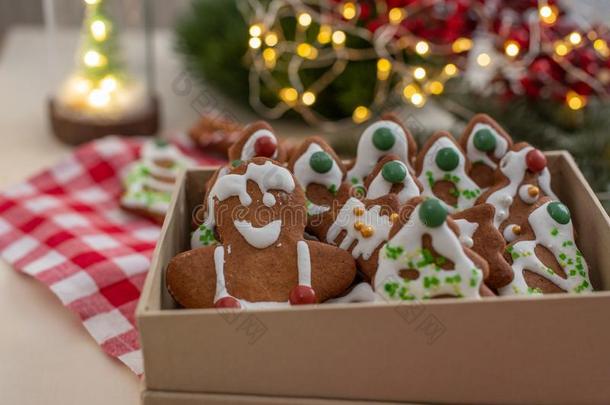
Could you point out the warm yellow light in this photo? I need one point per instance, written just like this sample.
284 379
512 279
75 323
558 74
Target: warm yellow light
338 37
94 59
561 48
512 48
92 2
483 59
575 101
396 15
98 30
308 98
409 90
418 99
255 42
548 14
305 50
304 19
575 38
361 114
461 45
269 56
289 94
349 10
545 11
450 69
436 87
98 98
601 47
384 65
109 84
419 73
81 85
271 39
422 48
256 30
324 36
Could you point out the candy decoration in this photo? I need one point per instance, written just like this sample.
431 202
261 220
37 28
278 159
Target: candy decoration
303 295
320 162
367 231
227 302
236 162
394 172
432 213
447 159
535 161
358 211
559 212
533 191
265 146
484 140
383 139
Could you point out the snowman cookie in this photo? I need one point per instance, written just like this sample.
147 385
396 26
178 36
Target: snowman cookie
485 143
261 258
521 179
257 140
442 168
545 258
149 182
392 176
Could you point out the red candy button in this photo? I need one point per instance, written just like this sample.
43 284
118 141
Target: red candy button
264 146
227 302
535 161
302 295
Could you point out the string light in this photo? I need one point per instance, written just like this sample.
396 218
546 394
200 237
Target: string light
81 85
548 14
92 2
575 101
435 87
601 47
269 57
384 66
422 48
325 34
271 39
289 95
304 19
338 37
396 15
94 59
255 30
450 69
409 90
98 98
483 59
98 30
308 98
512 48
461 45
109 84
255 42
418 100
361 114
575 38
419 73
305 50
561 48
349 10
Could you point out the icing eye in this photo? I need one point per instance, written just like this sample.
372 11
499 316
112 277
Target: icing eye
432 213
236 162
559 212
320 162
394 172
264 146
383 139
447 159
484 140
535 160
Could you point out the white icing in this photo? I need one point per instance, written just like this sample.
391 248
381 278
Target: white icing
368 155
362 292
304 263
262 237
557 238
405 251
467 230
508 233
248 152
315 209
268 199
476 155
371 217
513 166
219 266
380 187
525 196
431 173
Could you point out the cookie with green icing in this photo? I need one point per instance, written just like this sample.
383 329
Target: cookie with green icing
485 143
392 176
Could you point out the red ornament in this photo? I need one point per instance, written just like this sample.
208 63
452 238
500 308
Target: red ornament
227 302
265 146
302 294
535 161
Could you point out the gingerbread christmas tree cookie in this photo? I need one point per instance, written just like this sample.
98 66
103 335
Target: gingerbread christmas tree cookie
392 176
257 140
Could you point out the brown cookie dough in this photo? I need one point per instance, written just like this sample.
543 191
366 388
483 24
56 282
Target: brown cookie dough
213 133
257 140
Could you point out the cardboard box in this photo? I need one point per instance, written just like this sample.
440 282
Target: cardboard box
553 349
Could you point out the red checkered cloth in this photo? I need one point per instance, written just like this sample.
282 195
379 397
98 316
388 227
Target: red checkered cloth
64 227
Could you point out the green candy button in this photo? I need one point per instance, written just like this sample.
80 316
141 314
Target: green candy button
394 172
236 162
320 162
484 140
559 212
447 159
432 213
383 139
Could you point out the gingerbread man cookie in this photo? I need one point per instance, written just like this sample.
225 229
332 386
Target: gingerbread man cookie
485 143
442 168
545 258
392 176
261 258
521 180
257 140
214 133
384 137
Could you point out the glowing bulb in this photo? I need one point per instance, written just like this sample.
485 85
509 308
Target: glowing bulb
271 39
109 84
98 30
304 19
422 47
92 2
601 47
511 48
361 114
94 59
289 95
575 38
461 45
349 10
256 30
305 50
419 73
450 69
384 65
548 14
338 37
98 98
483 59
396 15
269 56
409 90
575 101
325 34
255 42
308 98
561 49
81 85
545 11
436 87
418 100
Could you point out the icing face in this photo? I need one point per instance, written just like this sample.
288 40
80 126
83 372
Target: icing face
261 143
553 229
393 172
367 227
485 139
261 237
379 139
444 162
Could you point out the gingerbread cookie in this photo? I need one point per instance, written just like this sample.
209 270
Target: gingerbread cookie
485 143
149 182
424 257
478 233
384 137
521 180
442 168
257 140
392 176
261 259
216 134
